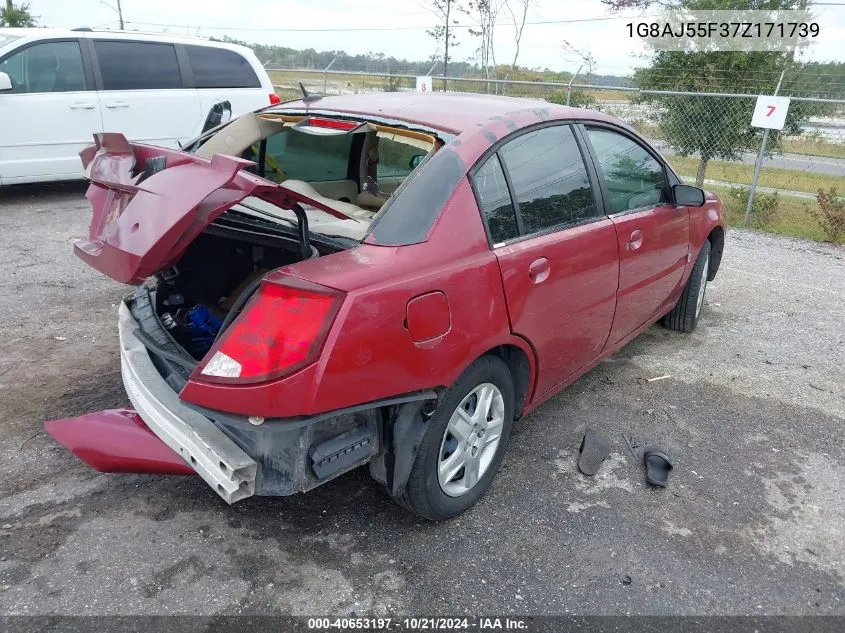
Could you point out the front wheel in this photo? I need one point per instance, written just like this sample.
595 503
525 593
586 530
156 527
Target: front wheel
684 316
464 442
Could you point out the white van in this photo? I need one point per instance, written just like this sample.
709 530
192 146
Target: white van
59 87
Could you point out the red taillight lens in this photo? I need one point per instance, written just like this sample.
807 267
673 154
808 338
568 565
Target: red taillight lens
280 330
274 98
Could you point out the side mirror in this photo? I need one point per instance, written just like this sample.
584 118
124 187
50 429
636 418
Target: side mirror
416 159
688 196
5 82
220 113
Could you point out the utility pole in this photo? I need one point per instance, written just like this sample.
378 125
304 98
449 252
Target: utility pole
446 56
117 9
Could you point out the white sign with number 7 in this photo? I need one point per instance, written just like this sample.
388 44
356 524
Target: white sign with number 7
770 112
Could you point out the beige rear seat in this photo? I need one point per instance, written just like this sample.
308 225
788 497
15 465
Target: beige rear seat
352 210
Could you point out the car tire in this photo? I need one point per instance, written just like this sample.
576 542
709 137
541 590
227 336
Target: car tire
459 429
684 316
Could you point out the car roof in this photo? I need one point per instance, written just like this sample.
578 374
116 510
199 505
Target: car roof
33 34
452 112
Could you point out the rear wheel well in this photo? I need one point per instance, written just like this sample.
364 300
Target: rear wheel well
717 245
517 363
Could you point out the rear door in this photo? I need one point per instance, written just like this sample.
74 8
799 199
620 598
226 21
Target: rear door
556 249
144 94
653 233
51 113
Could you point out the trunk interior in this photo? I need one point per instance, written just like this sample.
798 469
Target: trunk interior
183 309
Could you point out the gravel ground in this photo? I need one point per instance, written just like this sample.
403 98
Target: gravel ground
752 522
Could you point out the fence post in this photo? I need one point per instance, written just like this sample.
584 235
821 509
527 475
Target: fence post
759 164
326 76
569 86
431 70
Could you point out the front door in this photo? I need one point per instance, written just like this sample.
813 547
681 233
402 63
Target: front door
652 233
556 249
142 94
50 114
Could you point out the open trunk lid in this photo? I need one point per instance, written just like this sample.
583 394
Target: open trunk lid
150 202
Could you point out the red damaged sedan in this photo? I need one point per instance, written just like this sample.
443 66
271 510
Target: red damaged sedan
382 279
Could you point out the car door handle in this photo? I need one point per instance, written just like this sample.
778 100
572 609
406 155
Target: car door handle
635 241
82 105
116 104
539 270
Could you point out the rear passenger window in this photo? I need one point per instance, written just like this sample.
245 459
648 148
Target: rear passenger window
221 68
395 158
549 179
494 200
633 177
137 65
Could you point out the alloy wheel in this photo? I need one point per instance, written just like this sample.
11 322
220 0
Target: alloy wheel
471 439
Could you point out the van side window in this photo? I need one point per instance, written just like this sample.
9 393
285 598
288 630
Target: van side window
47 67
221 68
137 65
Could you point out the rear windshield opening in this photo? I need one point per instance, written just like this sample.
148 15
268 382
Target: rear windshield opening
352 167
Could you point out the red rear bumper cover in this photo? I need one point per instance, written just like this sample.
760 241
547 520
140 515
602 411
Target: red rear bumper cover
117 441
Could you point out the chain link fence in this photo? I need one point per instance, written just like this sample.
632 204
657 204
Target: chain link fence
707 137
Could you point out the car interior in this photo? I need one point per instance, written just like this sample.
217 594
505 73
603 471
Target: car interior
349 166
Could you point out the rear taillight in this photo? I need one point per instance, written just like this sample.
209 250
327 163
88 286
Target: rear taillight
281 329
274 98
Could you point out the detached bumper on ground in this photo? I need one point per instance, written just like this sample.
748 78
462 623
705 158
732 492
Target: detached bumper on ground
173 432
117 441
166 435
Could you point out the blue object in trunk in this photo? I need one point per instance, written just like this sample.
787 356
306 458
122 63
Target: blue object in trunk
202 326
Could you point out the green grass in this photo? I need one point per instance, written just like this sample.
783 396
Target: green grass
607 95
335 83
814 147
786 179
351 82
794 217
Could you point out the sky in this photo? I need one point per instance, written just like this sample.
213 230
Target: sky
602 35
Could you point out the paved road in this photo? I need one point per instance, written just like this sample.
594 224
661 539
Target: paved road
752 522
800 162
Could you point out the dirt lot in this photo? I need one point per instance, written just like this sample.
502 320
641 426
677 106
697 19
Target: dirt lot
751 524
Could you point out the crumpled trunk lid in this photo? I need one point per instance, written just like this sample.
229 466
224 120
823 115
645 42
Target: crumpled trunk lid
150 202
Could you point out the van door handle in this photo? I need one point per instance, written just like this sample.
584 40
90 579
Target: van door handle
116 104
82 105
635 241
